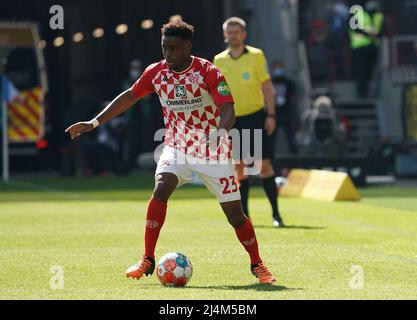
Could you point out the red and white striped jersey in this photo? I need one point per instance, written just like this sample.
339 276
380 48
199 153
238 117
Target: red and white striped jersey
190 101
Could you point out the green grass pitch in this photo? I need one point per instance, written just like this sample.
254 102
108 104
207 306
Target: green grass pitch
93 229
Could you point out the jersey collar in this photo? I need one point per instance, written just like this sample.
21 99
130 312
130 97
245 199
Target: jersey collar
186 70
245 50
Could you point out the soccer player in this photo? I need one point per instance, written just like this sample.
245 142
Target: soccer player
246 71
196 104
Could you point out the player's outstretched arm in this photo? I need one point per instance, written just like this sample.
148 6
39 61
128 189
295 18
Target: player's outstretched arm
119 105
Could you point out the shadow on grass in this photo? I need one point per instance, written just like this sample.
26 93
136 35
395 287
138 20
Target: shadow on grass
255 287
289 227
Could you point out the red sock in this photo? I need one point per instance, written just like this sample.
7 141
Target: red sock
247 237
155 219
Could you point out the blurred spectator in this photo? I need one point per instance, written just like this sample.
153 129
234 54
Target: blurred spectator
140 129
316 50
322 132
337 21
365 43
414 55
101 152
285 102
111 141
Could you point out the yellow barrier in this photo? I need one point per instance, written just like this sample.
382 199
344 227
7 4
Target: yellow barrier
296 181
320 185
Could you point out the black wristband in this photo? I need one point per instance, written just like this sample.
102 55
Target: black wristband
271 115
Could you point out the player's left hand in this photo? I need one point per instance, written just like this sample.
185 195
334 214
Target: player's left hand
270 125
79 128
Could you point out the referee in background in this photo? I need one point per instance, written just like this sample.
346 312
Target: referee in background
246 71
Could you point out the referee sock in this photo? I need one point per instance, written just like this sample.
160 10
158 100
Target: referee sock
247 237
155 218
244 194
272 194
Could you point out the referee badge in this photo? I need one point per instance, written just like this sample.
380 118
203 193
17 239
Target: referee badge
246 75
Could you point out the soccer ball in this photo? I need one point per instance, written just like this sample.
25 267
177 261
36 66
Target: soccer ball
174 270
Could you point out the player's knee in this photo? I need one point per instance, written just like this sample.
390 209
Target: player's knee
161 192
163 188
159 195
236 219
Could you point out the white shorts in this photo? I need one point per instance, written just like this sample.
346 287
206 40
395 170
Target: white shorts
219 178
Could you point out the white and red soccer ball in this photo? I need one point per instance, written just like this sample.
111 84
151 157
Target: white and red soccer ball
174 270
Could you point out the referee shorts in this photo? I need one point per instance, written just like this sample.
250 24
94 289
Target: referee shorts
247 148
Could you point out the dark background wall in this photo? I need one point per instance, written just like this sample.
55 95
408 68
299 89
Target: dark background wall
83 75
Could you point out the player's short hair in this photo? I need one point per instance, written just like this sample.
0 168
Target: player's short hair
179 29
234 21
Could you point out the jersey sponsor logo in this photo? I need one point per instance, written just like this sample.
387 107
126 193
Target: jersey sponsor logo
223 88
180 92
183 102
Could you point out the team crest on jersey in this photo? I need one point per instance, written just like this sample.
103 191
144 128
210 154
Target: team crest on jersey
180 92
194 78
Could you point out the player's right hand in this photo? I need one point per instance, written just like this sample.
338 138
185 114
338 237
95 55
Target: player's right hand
79 128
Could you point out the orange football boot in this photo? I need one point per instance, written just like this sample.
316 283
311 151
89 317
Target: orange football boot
146 266
262 273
